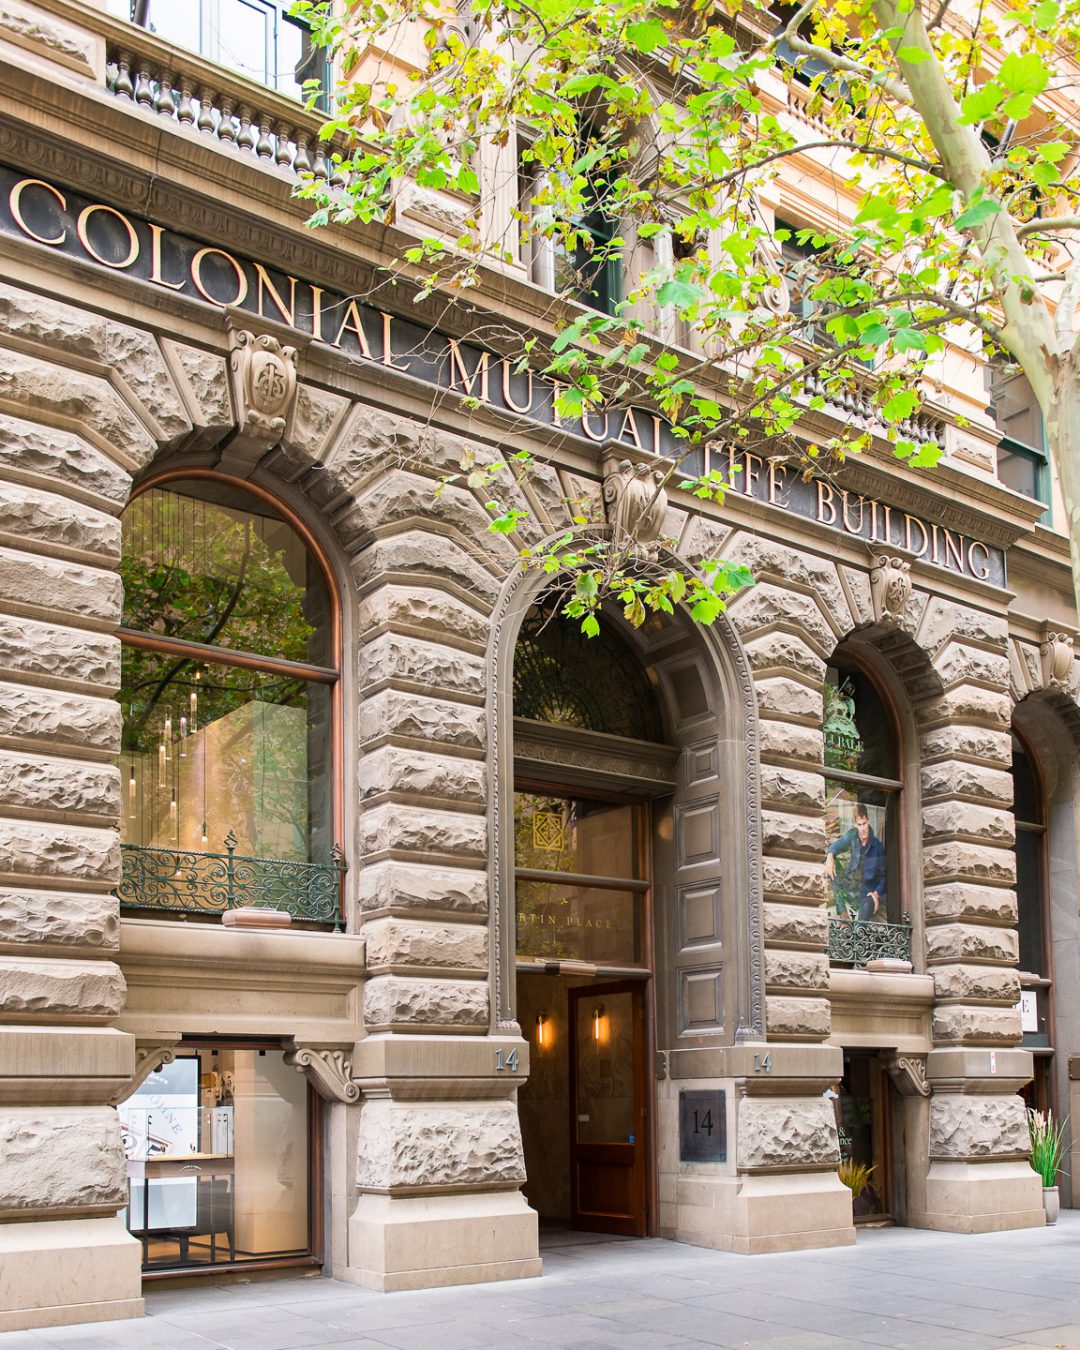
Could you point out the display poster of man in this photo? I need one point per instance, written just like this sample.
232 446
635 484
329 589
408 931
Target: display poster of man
855 865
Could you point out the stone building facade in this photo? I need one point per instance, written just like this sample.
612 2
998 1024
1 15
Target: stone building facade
168 327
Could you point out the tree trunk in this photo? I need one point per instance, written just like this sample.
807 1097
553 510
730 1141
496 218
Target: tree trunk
1063 442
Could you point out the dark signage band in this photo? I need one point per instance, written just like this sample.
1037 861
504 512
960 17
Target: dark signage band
121 242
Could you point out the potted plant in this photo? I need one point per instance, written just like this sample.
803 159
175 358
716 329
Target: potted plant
1047 1145
857 1177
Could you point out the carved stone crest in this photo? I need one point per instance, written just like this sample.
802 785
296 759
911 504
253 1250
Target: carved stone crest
1056 651
264 383
890 588
636 504
328 1070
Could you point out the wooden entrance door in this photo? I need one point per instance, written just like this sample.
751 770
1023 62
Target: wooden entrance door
608 1146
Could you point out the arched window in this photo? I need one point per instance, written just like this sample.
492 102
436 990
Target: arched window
229 682
863 792
1032 900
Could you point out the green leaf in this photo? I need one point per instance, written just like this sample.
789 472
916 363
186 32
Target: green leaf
1046 14
646 36
681 294
914 56
977 214
590 625
981 104
874 336
908 340
1025 77
901 405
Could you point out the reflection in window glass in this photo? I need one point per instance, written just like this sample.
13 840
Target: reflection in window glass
559 922
857 727
217 1160
559 834
862 863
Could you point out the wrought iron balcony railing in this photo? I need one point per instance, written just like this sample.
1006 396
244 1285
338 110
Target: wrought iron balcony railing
181 881
853 942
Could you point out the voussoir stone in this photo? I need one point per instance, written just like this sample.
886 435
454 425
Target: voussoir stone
392 1002
960 1025
393 656
796 970
40 783
416 829
976 984
957 778
48 716
65 589
47 520
781 740
61 918
408 1145
61 987
786 787
980 743
422 556
414 773
314 415
396 712
793 568
203 379
795 926
784 833
957 664
786 1133
792 880
967 820
434 611
971 942
767 607
50 652
975 1126
404 944
780 652
786 699
959 900
62 853
975 862
395 498
416 887
797 1019
946 619
60 1160
60 459
967 703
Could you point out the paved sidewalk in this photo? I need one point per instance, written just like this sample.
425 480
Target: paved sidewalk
896 1288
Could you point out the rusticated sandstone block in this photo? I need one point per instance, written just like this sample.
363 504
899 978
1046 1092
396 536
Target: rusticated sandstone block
425 664
63 853
958 664
406 1145
37 783
787 700
47 652
974 1126
797 1019
945 742
967 703
74 722
792 568
370 436
65 919
788 879
788 741
415 829
767 607
60 1160
780 652
52 522
426 557
966 820
977 862
203 380
390 1002
60 459
411 607
397 498
959 900
416 774
976 1026
946 619
784 787
393 712
315 414
971 942
796 970
796 926
788 1134
407 945
976 984
792 834
82 989
956 778
414 887
44 390
65 589
856 584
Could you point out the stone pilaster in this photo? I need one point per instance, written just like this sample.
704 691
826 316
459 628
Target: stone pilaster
978 1179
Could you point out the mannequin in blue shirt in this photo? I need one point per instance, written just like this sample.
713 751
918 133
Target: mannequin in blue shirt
862 881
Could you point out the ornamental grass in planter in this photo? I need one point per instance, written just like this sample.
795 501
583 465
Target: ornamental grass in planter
1047 1145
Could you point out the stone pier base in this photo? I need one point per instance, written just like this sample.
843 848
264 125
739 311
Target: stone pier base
981 1197
58 1272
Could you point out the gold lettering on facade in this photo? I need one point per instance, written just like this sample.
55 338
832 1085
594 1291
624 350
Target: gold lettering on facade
351 323
459 372
656 435
556 391
317 294
825 503
241 277
508 398
267 287
15 205
751 472
954 548
911 522
156 231
934 542
84 238
597 436
777 480
982 570
630 426
856 526
387 342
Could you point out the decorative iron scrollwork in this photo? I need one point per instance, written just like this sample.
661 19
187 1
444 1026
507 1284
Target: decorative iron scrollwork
853 942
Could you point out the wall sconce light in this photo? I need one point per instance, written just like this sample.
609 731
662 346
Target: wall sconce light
541 1030
597 1019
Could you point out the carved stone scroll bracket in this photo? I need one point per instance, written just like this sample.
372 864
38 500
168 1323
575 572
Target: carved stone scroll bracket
1056 652
263 374
908 1072
635 504
328 1070
149 1057
890 587
774 298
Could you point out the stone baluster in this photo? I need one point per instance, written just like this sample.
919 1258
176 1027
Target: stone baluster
301 159
245 137
318 162
206 122
123 86
283 157
264 146
226 129
185 113
144 90
163 99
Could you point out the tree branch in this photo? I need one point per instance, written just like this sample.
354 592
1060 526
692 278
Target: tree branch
1049 225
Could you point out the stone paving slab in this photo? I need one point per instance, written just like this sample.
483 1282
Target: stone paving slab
896 1289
